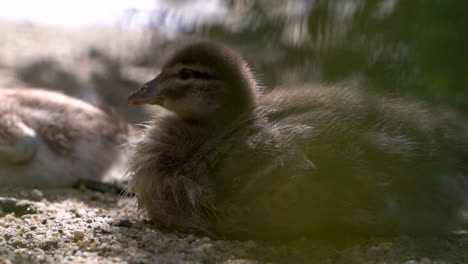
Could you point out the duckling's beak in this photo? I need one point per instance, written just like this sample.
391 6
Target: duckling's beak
148 94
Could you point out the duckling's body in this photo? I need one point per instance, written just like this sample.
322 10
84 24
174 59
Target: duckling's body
48 139
307 160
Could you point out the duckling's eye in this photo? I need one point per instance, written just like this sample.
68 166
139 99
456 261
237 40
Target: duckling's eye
186 74
143 90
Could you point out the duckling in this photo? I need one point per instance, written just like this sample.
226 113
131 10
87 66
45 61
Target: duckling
48 139
224 160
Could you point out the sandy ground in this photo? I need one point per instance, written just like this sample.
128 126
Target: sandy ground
84 226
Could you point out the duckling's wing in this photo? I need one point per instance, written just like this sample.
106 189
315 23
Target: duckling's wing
386 148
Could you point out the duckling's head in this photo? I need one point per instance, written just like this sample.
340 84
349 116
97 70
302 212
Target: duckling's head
203 82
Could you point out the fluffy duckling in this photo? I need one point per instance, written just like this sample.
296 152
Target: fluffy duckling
225 161
48 139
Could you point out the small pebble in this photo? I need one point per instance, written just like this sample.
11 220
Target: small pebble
9 217
78 235
36 195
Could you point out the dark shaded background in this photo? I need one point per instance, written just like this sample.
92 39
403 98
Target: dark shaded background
412 48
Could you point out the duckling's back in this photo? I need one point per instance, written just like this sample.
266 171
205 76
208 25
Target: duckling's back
324 160
50 140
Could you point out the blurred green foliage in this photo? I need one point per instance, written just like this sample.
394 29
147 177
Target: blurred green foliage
413 48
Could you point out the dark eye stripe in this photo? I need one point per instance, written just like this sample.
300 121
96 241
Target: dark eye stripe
203 75
195 74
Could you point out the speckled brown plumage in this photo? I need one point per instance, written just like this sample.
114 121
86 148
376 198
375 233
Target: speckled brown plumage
227 161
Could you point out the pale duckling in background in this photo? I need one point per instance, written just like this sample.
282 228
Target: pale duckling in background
226 161
48 139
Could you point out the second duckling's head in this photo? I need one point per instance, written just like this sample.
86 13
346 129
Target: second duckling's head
204 81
